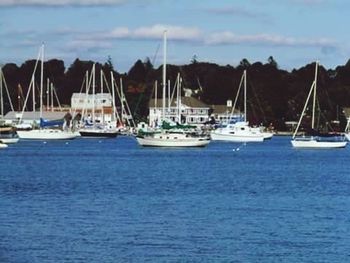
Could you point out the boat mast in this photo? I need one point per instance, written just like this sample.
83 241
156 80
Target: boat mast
51 90
155 94
47 93
122 99
33 93
113 98
93 94
1 94
237 94
314 97
178 98
164 72
169 96
101 81
41 81
245 95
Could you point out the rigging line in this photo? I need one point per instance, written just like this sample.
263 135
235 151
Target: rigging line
106 82
237 95
116 87
30 85
7 90
88 86
153 61
155 54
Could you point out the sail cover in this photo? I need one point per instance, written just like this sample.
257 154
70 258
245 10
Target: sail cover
47 123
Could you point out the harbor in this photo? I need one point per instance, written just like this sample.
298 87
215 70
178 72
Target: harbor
174 131
115 201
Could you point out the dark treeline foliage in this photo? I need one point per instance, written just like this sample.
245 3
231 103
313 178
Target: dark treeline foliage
274 95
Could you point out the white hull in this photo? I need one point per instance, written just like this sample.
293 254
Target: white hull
220 136
2 145
235 138
312 143
9 140
46 134
267 135
172 140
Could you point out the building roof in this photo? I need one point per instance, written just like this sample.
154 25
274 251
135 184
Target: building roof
30 115
187 101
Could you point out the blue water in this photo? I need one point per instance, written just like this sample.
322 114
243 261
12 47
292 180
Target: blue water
113 201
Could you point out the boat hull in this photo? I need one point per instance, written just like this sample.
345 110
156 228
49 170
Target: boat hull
236 138
9 140
46 134
267 135
157 142
98 134
315 144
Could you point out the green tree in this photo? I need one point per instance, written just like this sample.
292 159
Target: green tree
244 63
109 64
148 64
272 62
194 59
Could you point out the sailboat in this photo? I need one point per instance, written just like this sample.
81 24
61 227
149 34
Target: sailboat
315 140
7 133
100 129
239 131
126 123
43 133
172 135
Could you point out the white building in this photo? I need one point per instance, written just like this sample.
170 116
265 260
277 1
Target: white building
100 103
193 111
86 101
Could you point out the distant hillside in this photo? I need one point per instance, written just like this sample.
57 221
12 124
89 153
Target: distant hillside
274 95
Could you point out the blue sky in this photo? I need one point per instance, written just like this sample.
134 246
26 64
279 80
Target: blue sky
294 32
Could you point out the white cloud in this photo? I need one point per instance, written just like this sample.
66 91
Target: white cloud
84 40
60 2
229 38
195 35
173 32
176 33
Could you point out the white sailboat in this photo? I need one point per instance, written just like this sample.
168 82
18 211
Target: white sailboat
240 131
176 136
126 123
315 141
101 129
43 133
